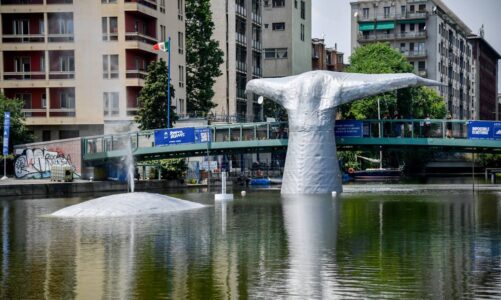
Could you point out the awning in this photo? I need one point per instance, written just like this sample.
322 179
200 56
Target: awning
412 21
366 26
385 26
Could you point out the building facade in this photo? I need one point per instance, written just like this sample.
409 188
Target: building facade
431 36
326 58
238 30
486 72
286 37
79 65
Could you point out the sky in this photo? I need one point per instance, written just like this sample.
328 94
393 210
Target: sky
331 20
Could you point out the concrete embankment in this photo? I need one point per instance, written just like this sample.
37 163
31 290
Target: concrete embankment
46 188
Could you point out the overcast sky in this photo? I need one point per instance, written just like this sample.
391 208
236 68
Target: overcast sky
331 20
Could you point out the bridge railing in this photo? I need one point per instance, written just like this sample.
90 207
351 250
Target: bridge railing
395 128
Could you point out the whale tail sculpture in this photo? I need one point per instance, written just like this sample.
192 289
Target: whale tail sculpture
311 166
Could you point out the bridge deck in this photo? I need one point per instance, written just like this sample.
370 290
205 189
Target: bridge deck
270 137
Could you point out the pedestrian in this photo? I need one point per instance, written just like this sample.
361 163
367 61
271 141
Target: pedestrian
397 128
449 125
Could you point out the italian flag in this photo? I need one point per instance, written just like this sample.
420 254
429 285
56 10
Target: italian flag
163 46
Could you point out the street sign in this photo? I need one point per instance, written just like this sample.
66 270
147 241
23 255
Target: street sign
6 132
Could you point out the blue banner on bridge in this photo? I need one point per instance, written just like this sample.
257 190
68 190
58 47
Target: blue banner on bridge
347 128
175 136
497 131
484 130
6 133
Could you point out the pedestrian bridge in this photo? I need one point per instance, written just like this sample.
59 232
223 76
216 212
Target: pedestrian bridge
442 135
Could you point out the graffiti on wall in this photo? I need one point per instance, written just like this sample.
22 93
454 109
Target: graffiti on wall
36 163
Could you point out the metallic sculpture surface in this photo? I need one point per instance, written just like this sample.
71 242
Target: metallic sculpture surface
311 99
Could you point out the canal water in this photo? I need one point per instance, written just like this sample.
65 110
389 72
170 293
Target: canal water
367 244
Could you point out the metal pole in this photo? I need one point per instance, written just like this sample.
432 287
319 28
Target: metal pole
4 168
380 134
168 84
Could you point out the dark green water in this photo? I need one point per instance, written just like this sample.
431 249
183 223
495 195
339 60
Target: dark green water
414 245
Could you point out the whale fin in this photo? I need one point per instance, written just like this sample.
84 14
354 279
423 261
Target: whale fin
357 86
271 88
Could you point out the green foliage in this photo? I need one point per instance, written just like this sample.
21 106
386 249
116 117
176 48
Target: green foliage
203 56
152 99
380 58
173 168
488 160
19 134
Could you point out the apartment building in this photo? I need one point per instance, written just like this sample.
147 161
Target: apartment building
238 29
431 36
80 65
286 37
325 58
485 58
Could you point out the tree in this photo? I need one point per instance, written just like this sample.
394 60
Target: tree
153 97
203 56
19 134
380 58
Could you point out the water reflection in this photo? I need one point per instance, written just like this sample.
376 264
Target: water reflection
261 246
311 226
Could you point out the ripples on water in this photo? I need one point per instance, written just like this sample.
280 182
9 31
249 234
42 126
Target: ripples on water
360 245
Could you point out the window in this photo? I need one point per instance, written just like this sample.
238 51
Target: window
422 66
163 36
278 26
44 101
109 27
278 3
365 13
21 27
386 11
181 106
180 9
302 32
402 28
46 135
295 4
412 8
26 98
412 27
402 47
181 76
275 53
111 104
303 10
422 8
110 66
67 100
67 63
180 42
403 9
162 6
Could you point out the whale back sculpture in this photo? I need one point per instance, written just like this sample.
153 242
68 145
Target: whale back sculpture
311 98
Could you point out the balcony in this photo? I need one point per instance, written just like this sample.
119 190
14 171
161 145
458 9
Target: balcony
23 28
136 74
24 65
60 27
257 19
375 37
415 54
34 99
132 100
21 2
140 37
241 66
241 11
240 38
412 35
257 71
146 3
62 102
256 45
